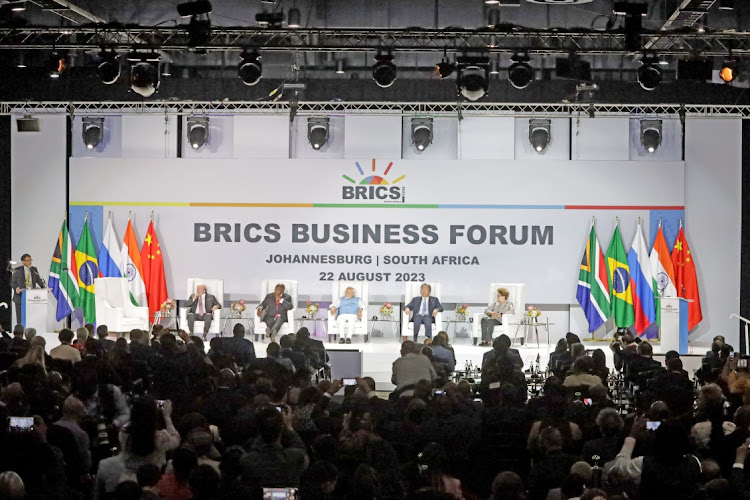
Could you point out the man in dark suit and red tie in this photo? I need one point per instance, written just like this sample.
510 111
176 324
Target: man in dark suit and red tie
425 308
25 276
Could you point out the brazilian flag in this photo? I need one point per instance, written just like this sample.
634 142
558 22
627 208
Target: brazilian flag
620 291
88 270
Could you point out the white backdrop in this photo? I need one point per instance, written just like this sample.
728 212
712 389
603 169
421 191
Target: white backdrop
438 201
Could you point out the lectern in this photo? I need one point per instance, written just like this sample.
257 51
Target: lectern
34 308
674 324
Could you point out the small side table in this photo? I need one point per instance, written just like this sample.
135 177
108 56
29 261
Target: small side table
389 321
455 323
169 316
536 322
227 318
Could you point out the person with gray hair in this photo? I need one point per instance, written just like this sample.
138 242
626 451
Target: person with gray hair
81 335
11 486
201 307
29 333
601 450
73 412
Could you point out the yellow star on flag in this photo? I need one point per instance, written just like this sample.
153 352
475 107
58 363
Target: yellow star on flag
151 256
148 240
678 246
158 252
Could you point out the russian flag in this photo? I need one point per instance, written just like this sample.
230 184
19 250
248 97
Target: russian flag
109 254
641 283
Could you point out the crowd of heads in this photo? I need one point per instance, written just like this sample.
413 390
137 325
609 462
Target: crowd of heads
163 415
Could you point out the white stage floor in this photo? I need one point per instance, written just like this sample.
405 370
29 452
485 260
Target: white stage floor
379 354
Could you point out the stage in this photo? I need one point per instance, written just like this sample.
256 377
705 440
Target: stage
378 355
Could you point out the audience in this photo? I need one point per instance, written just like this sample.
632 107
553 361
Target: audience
161 418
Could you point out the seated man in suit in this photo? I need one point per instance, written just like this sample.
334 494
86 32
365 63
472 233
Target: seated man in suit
23 277
347 310
426 308
201 307
272 311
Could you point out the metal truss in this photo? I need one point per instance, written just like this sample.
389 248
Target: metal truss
370 40
377 108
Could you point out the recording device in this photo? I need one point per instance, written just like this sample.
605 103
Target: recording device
350 381
279 408
438 392
279 493
20 424
160 403
652 425
588 401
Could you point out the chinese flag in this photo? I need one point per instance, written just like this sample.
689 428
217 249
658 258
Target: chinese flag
153 271
684 278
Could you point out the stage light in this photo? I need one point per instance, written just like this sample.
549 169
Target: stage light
56 64
293 18
108 69
144 72
649 74
340 67
726 4
651 135
421 132
317 131
520 73
384 71
19 6
166 68
250 70
493 18
21 62
28 124
92 131
495 67
197 8
540 134
473 77
197 131
728 71
491 2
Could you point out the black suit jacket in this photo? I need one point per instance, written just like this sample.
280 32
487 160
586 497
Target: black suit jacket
209 302
18 280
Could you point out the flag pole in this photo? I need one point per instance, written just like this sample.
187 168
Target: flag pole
130 215
680 222
110 215
659 221
152 216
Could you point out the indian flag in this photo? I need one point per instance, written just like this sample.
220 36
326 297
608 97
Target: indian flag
133 268
662 272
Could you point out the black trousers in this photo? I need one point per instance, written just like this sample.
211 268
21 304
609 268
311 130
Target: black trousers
488 324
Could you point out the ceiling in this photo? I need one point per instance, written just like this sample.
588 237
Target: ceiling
214 76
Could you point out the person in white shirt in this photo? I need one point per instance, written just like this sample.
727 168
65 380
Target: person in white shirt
65 350
347 310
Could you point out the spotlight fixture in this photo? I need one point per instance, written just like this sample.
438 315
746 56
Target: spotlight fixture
728 71
473 77
293 18
421 133
197 131
250 69
92 131
649 74
56 64
520 73
444 68
270 19
493 18
726 4
651 135
384 71
21 62
144 72
539 134
18 6
108 69
317 131
166 68
340 66
491 2
495 66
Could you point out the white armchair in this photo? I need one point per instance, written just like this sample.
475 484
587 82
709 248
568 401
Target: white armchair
361 289
214 287
413 290
517 297
266 287
114 307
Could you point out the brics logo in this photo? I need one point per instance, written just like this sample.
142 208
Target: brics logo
374 187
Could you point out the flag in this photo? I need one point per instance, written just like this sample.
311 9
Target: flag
63 274
110 258
620 293
685 281
662 272
131 266
88 270
153 271
641 283
593 284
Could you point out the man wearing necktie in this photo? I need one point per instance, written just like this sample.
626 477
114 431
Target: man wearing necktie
201 307
426 308
23 277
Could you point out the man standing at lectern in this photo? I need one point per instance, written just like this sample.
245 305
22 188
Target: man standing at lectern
25 276
425 309
201 307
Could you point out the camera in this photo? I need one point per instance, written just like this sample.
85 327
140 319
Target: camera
20 424
652 425
349 381
160 403
279 493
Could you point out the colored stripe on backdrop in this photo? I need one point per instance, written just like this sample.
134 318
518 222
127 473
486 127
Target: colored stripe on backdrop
375 205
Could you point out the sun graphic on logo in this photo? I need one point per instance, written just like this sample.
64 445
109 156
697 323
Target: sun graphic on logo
374 180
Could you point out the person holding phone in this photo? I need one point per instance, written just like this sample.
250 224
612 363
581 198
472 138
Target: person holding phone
273 310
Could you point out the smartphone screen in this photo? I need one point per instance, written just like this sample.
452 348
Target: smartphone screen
20 424
279 493
439 392
588 401
350 381
652 425
742 363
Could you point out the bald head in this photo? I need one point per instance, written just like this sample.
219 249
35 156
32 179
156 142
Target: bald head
73 408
